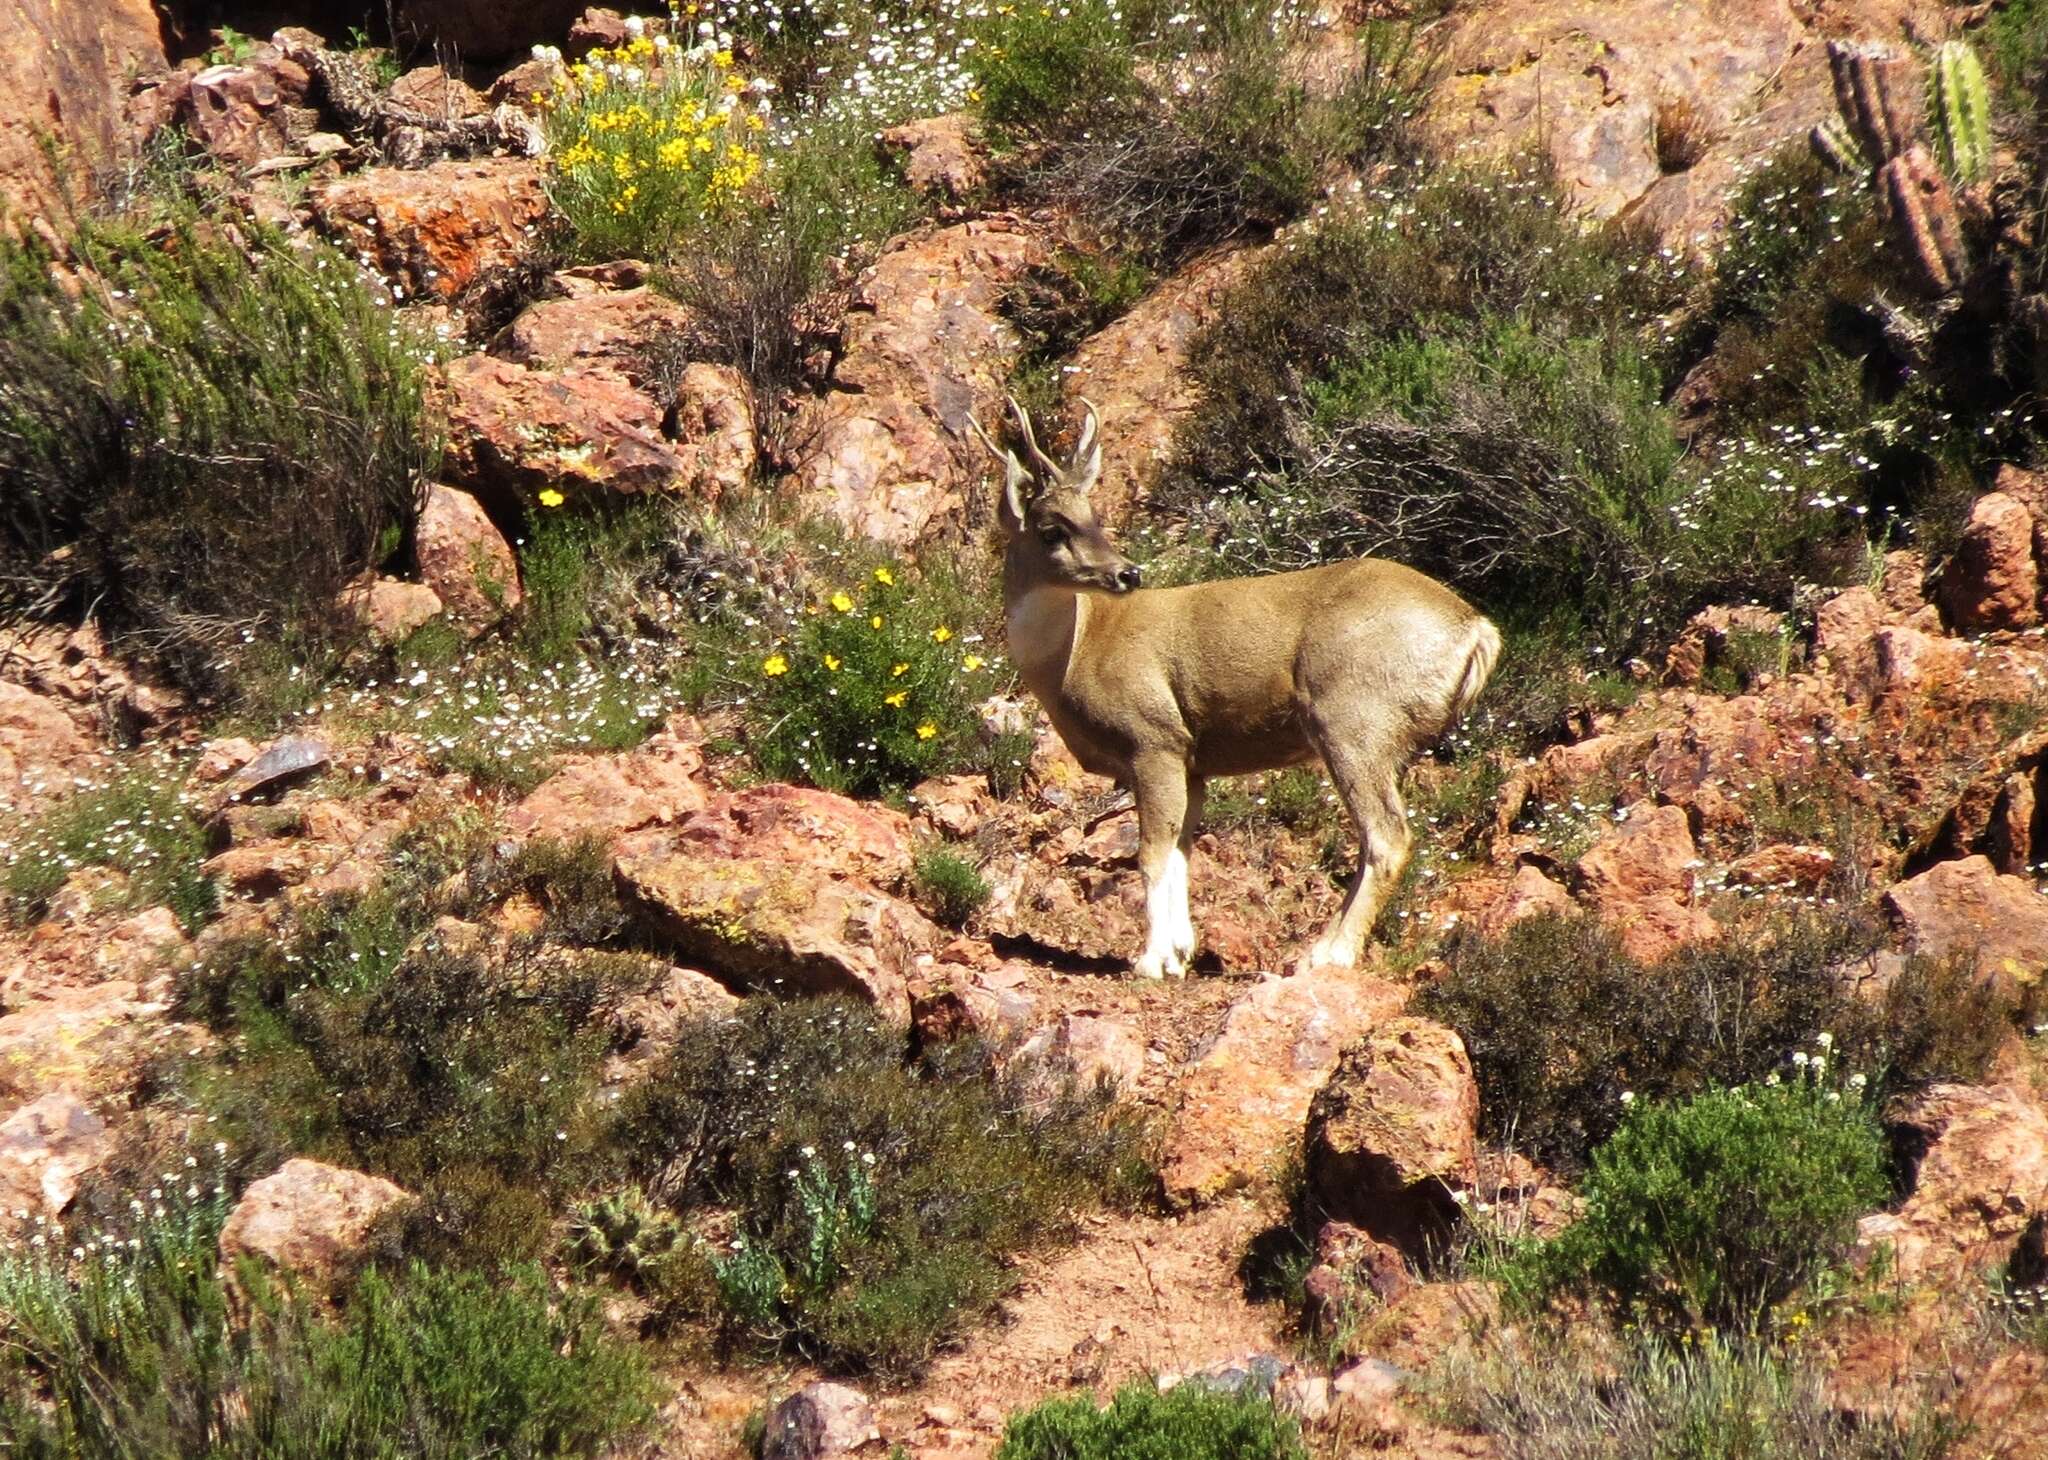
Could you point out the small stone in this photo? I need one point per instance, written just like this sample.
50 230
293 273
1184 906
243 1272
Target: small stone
820 1420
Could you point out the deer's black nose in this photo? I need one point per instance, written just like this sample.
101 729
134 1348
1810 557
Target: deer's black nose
1127 578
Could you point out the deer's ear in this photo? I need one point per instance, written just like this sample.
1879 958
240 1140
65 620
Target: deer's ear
1017 482
1087 467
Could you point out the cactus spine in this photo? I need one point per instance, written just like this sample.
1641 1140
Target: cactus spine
1920 211
1834 144
1959 107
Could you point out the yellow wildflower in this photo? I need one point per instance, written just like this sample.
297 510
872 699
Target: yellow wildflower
941 634
972 662
895 701
841 602
927 730
832 663
884 577
898 671
549 497
773 665
875 622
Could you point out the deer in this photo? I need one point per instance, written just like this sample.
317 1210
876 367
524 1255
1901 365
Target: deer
1361 664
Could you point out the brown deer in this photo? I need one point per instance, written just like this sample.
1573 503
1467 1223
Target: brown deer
1361 664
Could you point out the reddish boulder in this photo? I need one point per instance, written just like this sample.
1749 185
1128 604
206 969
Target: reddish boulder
1708 636
1353 1272
657 784
1845 640
1640 881
307 1220
1529 894
432 91
41 747
1391 1136
243 114
1135 373
1991 583
714 426
1980 1181
388 609
994 1005
93 1041
1091 1049
1912 662
1246 1092
1789 868
1967 907
45 1147
62 75
821 829
609 330
435 229
889 453
943 157
465 560
514 433
774 927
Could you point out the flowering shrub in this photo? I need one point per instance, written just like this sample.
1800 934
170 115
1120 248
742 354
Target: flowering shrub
870 693
649 140
1712 1211
139 825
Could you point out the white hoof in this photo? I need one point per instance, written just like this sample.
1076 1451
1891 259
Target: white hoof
1149 965
1325 954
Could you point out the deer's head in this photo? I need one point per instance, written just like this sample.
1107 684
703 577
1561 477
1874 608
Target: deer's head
1052 532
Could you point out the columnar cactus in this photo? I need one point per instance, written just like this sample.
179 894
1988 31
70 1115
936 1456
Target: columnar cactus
1920 212
1896 124
1879 93
1959 109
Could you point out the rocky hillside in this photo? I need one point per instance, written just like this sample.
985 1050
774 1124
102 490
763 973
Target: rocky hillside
539 919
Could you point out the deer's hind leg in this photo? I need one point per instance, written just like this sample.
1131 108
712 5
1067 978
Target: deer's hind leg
1366 769
1162 786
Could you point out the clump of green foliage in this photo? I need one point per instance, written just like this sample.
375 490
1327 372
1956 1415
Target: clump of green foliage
1714 1210
131 1350
1191 1421
1560 1022
868 694
949 885
877 1199
465 1075
139 825
1175 133
1577 1400
204 435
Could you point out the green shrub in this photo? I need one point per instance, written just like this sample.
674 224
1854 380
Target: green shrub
465 1075
868 694
205 441
1709 1400
1189 1422
138 824
949 885
1714 1210
1172 133
127 1349
1560 1022
877 1201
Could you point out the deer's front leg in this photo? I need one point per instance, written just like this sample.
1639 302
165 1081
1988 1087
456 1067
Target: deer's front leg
1161 785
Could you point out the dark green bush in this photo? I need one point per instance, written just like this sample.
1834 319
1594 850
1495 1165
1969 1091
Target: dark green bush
1560 1022
1173 133
203 436
1714 1210
1189 1422
949 885
139 825
466 1076
878 1200
130 1351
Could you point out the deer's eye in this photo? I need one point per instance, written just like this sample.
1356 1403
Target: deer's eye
1052 536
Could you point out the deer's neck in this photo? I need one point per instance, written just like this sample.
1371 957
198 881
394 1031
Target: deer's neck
1046 624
